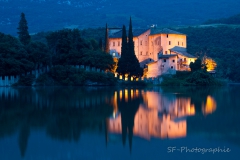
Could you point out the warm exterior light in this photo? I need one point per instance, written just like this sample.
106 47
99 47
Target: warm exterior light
192 110
120 95
210 64
210 106
126 95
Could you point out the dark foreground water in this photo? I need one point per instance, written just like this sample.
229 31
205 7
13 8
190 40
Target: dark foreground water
61 123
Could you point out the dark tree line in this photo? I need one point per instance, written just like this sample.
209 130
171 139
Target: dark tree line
235 19
69 48
63 47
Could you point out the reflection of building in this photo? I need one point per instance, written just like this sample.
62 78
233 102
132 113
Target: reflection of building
159 116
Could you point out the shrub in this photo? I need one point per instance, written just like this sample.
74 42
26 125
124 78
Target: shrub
201 78
67 75
26 80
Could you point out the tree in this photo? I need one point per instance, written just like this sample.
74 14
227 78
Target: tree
128 63
210 64
100 44
106 48
23 34
67 46
133 64
14 59
197 65
122 67
39 54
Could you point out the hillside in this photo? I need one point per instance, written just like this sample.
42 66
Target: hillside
230 20
45 15
222 43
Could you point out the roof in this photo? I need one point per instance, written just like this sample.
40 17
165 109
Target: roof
166 55
182 51
151 63
164 31
136 32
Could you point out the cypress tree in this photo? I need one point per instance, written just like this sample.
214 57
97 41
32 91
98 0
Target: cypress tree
23 34
106 48
124 48
134 67
130 39
122 67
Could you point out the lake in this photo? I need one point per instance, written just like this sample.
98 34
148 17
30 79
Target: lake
113 123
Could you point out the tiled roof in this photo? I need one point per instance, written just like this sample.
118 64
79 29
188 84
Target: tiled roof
164 31
182 51
136 32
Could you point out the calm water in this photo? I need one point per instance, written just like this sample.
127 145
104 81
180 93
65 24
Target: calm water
61 123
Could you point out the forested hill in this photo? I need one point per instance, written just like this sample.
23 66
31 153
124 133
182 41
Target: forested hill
49 15
222 43
230 20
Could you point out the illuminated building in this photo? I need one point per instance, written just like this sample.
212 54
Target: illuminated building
161 51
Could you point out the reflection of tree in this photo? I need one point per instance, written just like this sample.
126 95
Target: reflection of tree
65 127
31 108
128 108
24 134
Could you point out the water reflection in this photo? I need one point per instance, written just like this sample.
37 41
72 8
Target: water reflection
64 113
155 113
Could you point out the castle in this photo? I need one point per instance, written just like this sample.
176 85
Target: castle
162 51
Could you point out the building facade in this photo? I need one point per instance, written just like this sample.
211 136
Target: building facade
161 51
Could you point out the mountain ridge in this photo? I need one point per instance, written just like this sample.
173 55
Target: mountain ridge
45 15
